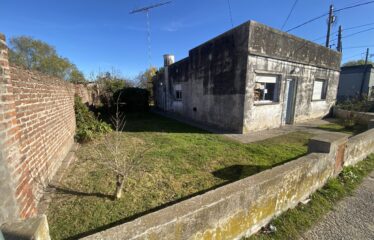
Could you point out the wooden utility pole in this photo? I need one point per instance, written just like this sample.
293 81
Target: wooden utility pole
329 24
340 46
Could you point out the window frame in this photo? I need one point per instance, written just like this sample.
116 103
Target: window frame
178 95
276 91
325 84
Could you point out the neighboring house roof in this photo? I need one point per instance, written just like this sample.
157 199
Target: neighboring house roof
357 67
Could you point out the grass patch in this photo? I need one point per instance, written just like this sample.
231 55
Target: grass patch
182 162
294 222
337 127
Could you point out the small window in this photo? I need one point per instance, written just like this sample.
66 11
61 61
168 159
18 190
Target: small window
178 95
266 89
319 89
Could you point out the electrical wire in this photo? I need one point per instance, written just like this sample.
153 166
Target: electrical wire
326 14
353 34
289 14
352 47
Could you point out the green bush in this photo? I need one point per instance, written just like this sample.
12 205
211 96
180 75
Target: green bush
357 104
88 127
132 99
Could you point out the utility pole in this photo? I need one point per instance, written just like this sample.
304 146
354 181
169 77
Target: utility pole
364 74
367 56
329 24
340 46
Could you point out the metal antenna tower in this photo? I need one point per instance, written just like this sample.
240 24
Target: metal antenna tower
146 10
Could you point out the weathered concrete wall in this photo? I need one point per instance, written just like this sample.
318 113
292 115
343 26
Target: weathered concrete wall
360 117
269 42
212 80
243 207
217 79
35 228
264 116
37 127
359 147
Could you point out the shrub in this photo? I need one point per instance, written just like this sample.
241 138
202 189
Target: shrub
357 104
133 99
88 127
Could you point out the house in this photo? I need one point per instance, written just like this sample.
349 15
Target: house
356 81
250 78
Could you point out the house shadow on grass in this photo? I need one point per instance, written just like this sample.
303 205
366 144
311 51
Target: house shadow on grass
230 174
156 121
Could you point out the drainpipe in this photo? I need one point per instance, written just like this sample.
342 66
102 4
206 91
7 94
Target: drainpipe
168 60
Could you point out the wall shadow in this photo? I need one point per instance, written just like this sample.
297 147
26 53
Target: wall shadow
236 172
149 122
133 217
230 174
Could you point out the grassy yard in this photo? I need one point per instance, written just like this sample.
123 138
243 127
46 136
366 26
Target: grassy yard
293 223
337 127
183 161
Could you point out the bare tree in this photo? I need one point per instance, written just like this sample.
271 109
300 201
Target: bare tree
121 155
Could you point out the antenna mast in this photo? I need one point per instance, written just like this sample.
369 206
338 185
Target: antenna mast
146 10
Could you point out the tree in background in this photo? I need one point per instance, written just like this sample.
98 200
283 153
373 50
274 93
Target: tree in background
356 63
110 82
37 55
145 80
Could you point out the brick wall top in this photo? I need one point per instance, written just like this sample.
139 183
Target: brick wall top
32 75
2 41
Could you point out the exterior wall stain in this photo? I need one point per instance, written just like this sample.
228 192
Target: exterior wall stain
217 79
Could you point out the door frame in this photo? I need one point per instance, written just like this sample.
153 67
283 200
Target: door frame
286 118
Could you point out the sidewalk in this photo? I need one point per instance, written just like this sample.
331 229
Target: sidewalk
353 217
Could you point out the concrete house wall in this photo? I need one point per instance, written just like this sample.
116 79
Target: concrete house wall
217 80
351 79
272 52
212 80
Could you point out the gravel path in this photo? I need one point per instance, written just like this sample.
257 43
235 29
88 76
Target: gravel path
353 217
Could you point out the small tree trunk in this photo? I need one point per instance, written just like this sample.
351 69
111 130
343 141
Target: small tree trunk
119 186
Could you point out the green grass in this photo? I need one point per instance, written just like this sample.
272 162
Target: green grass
182 162
337 127
294 222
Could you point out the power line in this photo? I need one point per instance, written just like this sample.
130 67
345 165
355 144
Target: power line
307 22
346 29
326 14
353 6
352 47
353 56
353 34
289 14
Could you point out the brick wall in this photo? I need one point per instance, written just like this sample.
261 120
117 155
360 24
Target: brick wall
37 126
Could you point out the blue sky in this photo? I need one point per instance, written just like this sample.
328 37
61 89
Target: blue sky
98 35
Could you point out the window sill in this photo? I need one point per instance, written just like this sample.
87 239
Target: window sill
265 103
319 100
